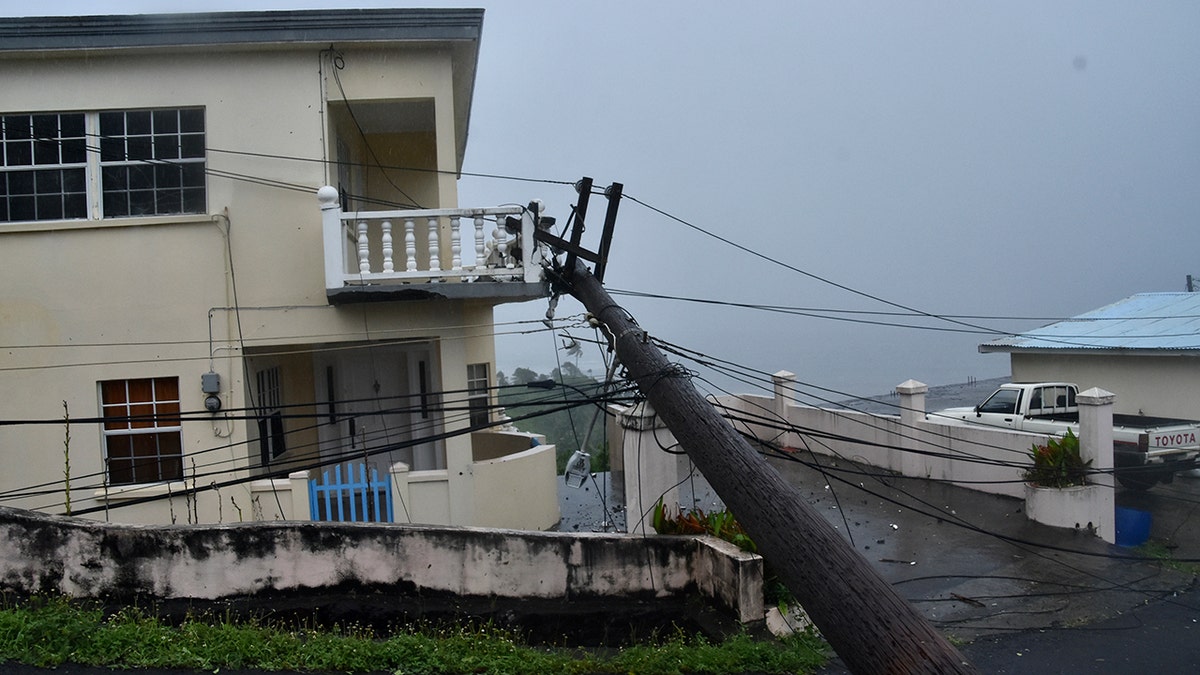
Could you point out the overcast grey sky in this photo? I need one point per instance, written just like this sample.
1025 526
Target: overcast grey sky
1029 159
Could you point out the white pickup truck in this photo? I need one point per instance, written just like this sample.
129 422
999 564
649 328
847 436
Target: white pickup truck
1146 450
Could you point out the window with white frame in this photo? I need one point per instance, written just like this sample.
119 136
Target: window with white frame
270 414
55 166
143 436
478 384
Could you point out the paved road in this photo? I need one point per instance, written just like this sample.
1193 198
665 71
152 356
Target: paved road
1160 637
1015 605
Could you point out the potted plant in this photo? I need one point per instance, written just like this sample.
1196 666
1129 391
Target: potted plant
1057 491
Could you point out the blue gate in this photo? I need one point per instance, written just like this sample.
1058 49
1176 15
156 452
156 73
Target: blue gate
350 500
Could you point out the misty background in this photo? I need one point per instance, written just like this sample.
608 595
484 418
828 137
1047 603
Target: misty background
968 169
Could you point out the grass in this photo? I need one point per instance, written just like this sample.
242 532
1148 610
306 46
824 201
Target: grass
48 632
1164 552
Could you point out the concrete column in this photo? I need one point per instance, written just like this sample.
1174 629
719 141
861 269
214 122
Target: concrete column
616 457
299 505
401 495
1096 444
785 395
650 472
912 411
460 457
331 228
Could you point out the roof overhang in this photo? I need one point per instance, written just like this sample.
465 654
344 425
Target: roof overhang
458 30
59 33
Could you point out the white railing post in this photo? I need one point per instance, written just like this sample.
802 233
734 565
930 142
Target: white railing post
331 231
479 245
501 244
455 243
364 249
435 253
389 265
410 245
533 271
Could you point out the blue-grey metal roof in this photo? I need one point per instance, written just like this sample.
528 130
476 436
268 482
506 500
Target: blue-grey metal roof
1146 322
229 28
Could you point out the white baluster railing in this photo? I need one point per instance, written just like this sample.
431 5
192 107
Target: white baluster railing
360 249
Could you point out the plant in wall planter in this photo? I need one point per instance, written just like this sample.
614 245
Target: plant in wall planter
1058 464
1057 491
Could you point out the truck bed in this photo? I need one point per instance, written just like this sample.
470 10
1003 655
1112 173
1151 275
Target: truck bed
1127 421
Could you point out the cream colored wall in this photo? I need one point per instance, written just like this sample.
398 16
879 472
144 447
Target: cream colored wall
371 75
416 150
296 372
130 298
1160 386
520 490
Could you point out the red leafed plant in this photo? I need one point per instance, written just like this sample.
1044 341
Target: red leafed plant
720 524
1058 463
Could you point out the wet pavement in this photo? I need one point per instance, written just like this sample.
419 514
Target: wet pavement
1017 596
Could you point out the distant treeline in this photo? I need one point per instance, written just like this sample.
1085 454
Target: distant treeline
564 428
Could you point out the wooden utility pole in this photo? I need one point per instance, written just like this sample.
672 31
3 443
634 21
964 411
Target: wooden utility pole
870 626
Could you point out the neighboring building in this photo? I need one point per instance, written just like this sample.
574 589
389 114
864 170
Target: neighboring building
1145 349
164 249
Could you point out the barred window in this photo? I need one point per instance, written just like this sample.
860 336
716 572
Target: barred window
477 394
271 442
142 431
43 173
150 163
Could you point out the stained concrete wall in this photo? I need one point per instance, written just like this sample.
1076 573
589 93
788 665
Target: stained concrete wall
88 559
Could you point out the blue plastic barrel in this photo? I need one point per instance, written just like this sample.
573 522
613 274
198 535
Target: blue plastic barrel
1133 526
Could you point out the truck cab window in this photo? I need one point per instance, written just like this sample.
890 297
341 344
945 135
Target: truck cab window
1004 401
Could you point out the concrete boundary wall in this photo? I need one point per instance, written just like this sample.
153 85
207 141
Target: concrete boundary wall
977 458
914 444
88 559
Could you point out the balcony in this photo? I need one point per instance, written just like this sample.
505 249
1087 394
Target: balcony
448 254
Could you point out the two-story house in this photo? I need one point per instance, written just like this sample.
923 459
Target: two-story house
232 250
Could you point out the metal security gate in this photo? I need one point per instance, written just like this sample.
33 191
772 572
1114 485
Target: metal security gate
353 498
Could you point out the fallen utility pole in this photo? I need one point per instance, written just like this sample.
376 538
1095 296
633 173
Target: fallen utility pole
870 626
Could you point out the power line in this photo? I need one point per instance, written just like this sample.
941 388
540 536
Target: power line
816 277
848 315
274 352
458 411
275 473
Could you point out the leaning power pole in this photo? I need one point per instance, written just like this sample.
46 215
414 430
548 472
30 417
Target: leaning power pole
870 626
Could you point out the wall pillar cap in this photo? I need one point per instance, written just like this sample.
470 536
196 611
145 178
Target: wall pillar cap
1095 396
298 475
640 417
784 375
912 387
